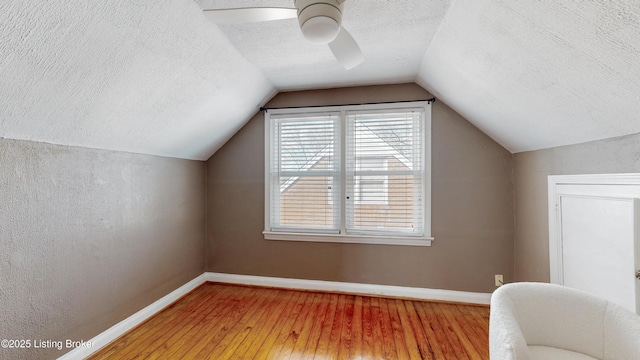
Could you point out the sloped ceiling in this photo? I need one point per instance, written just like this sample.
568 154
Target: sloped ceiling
151 77
539 74
156 77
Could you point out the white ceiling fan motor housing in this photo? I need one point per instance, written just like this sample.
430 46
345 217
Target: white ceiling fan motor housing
319 21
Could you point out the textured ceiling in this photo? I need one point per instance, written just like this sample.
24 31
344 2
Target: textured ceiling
539 74
152 77
156 77
393 36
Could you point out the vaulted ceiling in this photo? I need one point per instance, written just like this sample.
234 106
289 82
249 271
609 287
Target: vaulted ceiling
157 77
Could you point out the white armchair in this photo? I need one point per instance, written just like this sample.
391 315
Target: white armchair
546 321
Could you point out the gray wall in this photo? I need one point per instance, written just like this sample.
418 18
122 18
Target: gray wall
531 169
472 208
88 237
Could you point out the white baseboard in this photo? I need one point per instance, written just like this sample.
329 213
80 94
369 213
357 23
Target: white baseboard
136 319
132 321
354 288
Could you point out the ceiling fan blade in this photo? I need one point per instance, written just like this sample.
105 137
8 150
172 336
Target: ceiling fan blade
249 14
346 50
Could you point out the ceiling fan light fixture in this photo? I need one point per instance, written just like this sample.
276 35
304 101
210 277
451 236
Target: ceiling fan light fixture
319 21
320 29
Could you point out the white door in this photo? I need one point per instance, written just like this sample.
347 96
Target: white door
598 247
595 240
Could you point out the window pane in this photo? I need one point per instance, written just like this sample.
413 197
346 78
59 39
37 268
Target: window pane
384 165
303 170
302 142
371 189
305 203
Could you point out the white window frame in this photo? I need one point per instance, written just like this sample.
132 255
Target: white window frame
341 237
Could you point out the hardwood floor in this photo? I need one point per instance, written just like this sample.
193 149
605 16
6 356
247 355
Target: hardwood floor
221 321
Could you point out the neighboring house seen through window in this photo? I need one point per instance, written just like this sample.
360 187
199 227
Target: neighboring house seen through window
349 174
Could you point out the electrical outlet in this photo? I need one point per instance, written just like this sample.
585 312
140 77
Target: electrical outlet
499 281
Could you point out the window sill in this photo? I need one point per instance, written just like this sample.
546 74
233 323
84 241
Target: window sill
348 239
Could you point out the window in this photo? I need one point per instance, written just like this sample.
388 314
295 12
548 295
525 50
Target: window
357 174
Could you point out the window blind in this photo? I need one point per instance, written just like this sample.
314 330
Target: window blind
384 167
304 167
357 173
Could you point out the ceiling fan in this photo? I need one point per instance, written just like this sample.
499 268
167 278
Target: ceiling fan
320 22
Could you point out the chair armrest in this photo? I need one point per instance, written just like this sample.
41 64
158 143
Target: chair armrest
506 340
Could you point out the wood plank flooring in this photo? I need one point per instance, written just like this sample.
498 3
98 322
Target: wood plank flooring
221 321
